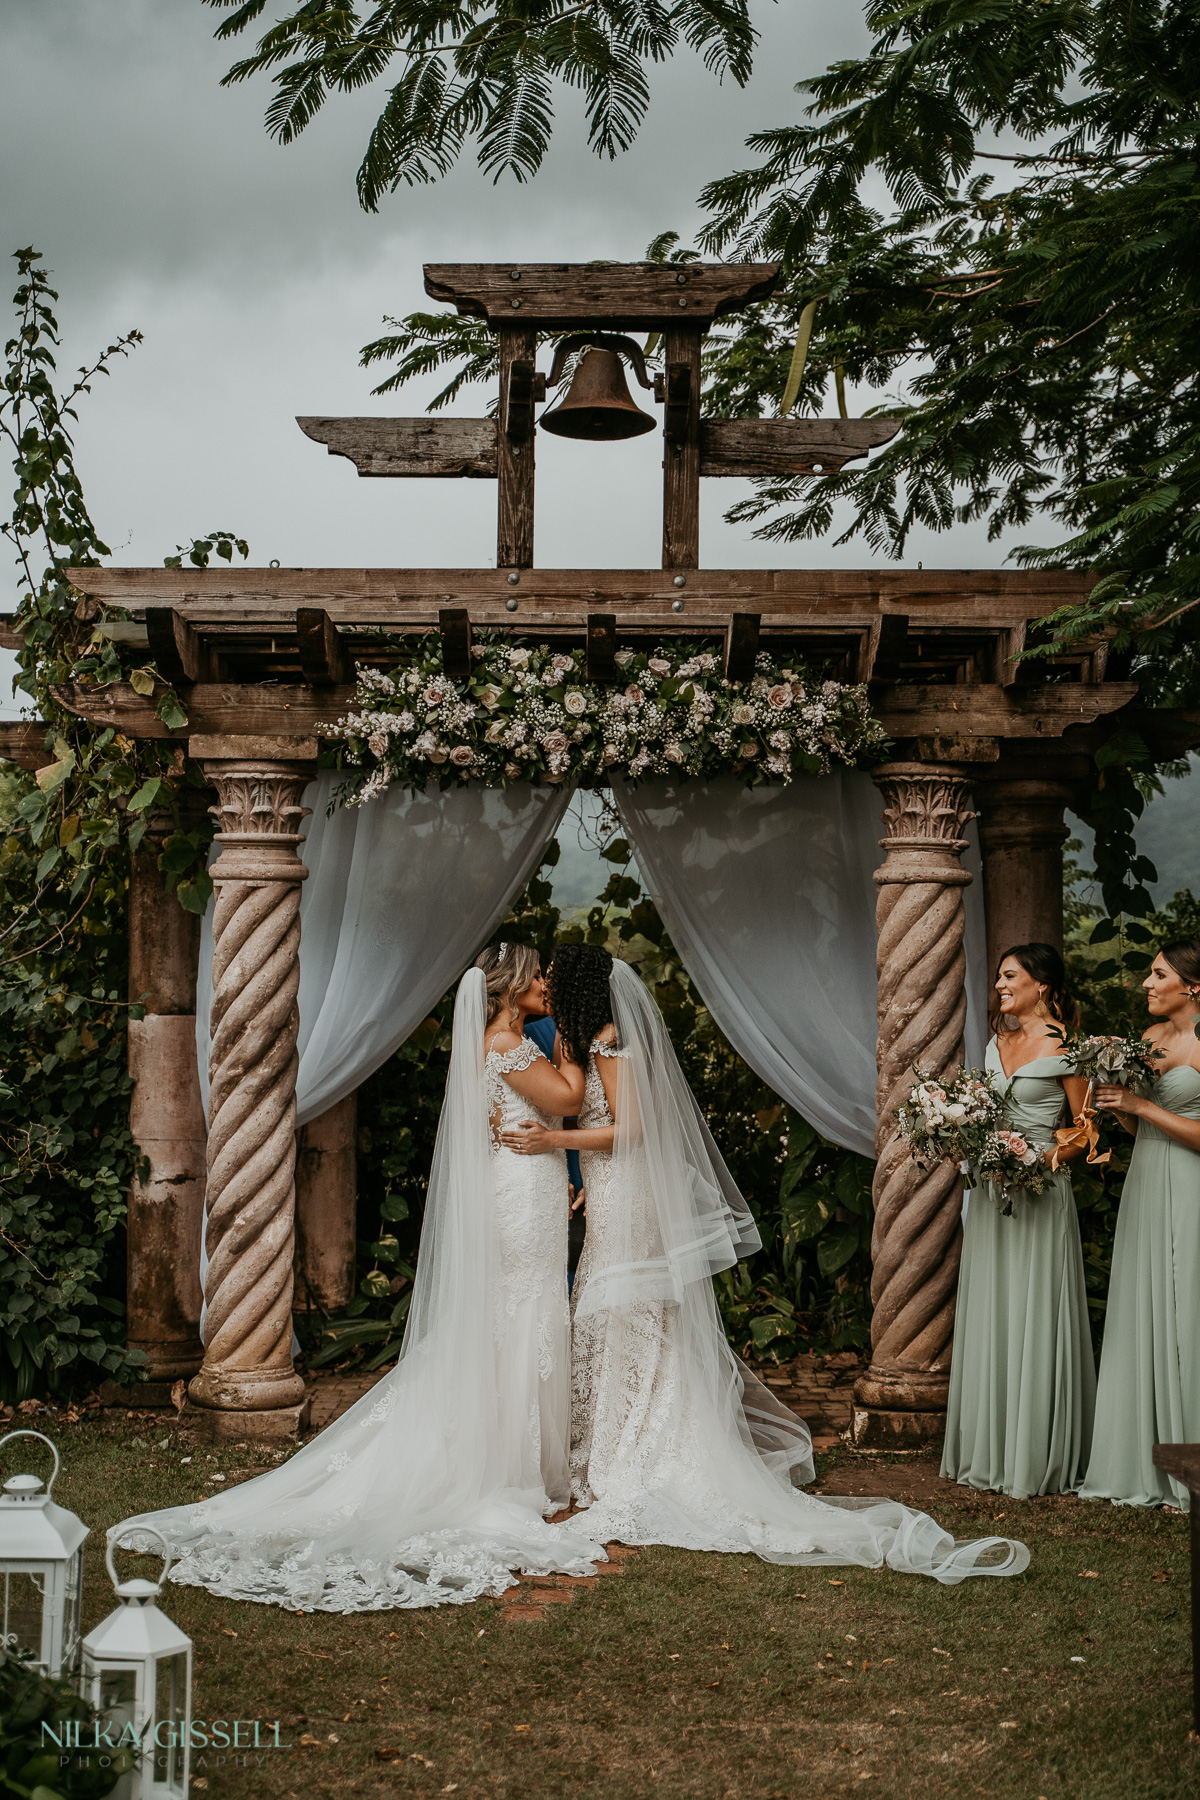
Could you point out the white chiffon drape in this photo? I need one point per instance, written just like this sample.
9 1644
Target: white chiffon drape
768 895
400 895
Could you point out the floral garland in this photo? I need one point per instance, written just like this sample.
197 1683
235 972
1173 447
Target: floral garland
529 714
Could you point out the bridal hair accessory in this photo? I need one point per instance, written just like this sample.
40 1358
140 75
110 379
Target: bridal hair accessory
502 951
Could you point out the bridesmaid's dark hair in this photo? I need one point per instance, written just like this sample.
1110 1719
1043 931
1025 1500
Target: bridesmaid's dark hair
1183 954
1044 965
579 996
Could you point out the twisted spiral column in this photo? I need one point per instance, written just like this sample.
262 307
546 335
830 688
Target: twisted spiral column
251 1193
922 1007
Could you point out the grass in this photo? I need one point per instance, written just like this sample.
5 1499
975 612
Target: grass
700 1676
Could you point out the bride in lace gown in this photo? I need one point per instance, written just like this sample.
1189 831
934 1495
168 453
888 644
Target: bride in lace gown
438 1483
674 1440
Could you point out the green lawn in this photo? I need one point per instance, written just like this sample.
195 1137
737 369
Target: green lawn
702 1676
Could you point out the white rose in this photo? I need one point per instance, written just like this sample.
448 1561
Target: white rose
563 663
622 657
658 665
611 755
490 696
518 658
743 714
575 703
955 1110
377 743
494 732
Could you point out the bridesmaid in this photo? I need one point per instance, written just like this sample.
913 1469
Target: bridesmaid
1022 1378
1149 1389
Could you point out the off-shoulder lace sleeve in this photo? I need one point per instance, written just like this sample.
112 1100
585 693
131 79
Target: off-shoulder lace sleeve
524 1056
599 1049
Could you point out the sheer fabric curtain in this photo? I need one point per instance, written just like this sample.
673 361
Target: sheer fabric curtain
400 895
769 898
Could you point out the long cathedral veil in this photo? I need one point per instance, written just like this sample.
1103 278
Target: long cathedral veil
716 1460
419 1495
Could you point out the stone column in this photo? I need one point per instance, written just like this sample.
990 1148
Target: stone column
916 1242
247 1386
166 1118
326 1191
1020 801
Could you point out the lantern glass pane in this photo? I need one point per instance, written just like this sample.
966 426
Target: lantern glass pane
170 1715
117 1700
73 1603
24 1601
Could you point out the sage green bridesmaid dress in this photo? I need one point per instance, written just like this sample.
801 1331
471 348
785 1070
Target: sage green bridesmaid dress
1022 1378
1149 1390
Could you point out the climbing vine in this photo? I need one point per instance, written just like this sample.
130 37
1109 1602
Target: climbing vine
69 826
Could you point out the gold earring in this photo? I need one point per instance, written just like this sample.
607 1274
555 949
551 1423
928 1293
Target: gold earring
1041 1009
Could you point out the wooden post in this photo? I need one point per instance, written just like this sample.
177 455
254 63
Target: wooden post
681 448
167 1120
247 1387
917 1238
326 1191
514 460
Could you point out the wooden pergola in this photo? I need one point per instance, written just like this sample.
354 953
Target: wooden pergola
262 657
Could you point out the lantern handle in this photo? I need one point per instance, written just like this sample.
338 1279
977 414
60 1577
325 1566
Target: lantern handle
45 1440
143 1531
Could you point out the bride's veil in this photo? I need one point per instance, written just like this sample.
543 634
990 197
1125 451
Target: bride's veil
717 1460
684 1220
427 1491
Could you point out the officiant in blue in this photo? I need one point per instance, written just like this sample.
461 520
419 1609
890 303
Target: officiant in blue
543 1031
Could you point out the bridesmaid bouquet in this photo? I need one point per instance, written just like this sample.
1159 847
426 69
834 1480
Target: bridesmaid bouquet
951 1117
962 1118
1114 1061
1009 1162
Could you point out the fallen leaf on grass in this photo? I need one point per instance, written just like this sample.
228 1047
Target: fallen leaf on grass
837 1584
1008 1724
522 1727
1089 1574
306 1737
938 1652
226 1632
1159 1575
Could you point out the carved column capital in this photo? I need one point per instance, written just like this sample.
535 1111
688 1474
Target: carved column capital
251 1194
924 814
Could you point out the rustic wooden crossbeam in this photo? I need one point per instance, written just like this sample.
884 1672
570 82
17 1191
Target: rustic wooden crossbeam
966 723
421 449
606 296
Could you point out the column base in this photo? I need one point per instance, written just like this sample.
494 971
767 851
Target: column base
873 1428
245 1390
172 1360
903 1390
281 1425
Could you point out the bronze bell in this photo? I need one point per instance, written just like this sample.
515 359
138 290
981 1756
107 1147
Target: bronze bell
598 405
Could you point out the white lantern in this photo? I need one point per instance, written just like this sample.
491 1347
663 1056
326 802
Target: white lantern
137 1672
41 1566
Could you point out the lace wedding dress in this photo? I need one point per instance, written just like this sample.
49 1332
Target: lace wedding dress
674 1440
533 1314
435 1486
